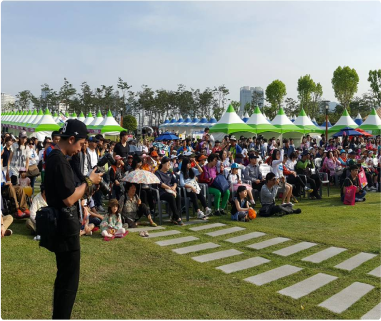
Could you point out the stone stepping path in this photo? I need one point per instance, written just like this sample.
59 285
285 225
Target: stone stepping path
196 248
341 301
273 275
374 314
376 272
166 233
307 286
177 241
245 237
268 243
216 255
355 261
242 265
147 228
324 254
294 248
206 227
226 231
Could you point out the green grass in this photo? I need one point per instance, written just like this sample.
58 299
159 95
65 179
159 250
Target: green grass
133 278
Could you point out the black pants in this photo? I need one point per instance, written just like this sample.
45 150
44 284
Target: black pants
298 182
66 283
258 187
147 199
369 178
193 196
174 204
314 181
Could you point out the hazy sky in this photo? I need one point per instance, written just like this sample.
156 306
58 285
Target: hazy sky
199 44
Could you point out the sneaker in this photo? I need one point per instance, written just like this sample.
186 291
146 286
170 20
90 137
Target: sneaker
27 212
252 202
318 196
100 209
37 238
201 215
222 212
217 213
288 204
373 188
20 214
367 188
8 232
297 211
207 211
308 190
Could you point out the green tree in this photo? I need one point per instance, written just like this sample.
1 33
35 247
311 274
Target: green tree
362 105
375 84
305 88
23 99
124 88
270 111
275 93
236 105
146 102
344 83
129 123
257 100
86 98
292 107
219 104
49 98
66 94
248 108
204 102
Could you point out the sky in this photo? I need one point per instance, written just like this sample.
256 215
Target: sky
198 44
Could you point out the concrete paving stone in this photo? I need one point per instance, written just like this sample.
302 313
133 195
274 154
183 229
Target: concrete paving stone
355 261
324 254
226 231
245 237
376 272
242 265
374 314
216 255
147 228
341 301
307 286
177 241
206 227
165 233
196 248
294 248
273 275
268 243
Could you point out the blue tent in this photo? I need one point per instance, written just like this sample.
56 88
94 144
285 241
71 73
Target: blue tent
358 119
348 131
329 124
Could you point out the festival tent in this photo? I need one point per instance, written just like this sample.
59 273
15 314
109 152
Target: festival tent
306 124
193 122
88 119
372 123
202 123
212 122
55 116
186 121
323 125
26 119
81 117
37 120
22 119
358 119
259 123
283 124
178 123
31 121
246 117
9 119
315 122
108 126
46 125
96 122
165 123
344 121
73 116
15 120
230 123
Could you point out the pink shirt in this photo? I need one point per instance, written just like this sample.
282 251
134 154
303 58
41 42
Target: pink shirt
24 182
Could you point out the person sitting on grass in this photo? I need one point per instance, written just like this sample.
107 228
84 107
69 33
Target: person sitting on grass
240 205
133 208
24 181
352 179
111 225
38 201
268 194
86 227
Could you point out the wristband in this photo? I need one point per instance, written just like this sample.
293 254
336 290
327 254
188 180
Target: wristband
88 181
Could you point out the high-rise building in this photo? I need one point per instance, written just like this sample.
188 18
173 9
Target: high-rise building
246 96
6 99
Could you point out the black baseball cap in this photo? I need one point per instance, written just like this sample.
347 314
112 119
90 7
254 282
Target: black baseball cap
93 140
165 160
74 127
251 156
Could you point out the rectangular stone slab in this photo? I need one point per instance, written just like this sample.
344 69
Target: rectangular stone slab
216 255
206 227
272 275
374 314
376 272
242 265
165 233
147 228
294 248
341 301
245 237
177 241
195 248
307 286
355 261
324 254
268 243
226 231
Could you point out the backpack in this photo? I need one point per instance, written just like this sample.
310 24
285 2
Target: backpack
46 227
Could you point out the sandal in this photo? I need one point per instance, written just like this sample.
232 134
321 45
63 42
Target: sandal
142 234
146 233
153 224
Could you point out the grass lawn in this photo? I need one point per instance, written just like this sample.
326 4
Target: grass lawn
134 278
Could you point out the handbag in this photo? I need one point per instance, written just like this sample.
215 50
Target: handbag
194 183
33 171
221 183
349 195
362 179
46 227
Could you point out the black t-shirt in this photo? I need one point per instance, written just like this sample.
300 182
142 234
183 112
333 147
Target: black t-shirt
120 150
5 156
59 179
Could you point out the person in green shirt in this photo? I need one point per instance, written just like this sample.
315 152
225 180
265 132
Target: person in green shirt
303 168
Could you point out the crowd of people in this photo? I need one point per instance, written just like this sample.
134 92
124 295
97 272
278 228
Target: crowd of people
251 169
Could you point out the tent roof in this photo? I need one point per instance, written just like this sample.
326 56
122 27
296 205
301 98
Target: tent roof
282 122
344 121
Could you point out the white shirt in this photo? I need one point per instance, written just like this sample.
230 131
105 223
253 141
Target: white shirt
277 165
33 157
93 157
38 202
290 164
85 165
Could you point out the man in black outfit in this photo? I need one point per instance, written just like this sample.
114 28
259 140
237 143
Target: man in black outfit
122 148
62 194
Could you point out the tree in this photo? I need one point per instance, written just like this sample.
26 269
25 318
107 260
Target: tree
270 111
317 93
275 93
66 93
9 106
49 98
257 99
204 102
362 105
124 88
219 94
248 108
130 123
292 107
305 88
23 99
375 84
344 83
86 98
236 105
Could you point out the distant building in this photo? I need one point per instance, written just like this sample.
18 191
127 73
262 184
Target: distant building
6 99
246 96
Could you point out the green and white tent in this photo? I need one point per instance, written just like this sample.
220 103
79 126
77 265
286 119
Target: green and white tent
259 123
36 120
10 118
109 126
26 119
95 123
344 121
73 116
15 120
81 117
46 125
231 123
31 120
22 119
305 123
88 119
372 123
56 117
283 124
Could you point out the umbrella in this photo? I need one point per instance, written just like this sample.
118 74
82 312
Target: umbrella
141 177
363 132
167 136
349 132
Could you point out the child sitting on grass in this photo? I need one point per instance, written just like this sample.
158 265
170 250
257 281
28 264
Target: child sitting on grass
240 205
111 225
23 181
86 227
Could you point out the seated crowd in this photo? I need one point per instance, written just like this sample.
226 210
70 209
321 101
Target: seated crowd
205 171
